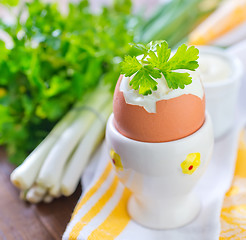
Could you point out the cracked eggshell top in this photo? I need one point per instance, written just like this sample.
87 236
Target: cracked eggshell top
174 118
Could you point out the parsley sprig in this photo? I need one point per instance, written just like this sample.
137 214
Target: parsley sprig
156 61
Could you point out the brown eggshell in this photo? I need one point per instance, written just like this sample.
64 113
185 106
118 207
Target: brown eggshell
175 118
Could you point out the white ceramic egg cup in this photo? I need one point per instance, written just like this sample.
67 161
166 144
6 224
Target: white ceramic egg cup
162 195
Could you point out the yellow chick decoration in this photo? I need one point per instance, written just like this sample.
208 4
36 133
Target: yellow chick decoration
116 159
191 163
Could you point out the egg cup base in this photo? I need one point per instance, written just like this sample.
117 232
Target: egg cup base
171 214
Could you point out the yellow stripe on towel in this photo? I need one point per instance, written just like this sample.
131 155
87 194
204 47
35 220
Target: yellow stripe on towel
94 210
115 223
233 213
97 185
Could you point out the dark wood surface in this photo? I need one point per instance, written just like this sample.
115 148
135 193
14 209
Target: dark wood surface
23 221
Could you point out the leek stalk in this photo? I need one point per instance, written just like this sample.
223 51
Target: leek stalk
83 152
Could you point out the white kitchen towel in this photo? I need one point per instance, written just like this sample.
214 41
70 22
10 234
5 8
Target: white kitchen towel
101 211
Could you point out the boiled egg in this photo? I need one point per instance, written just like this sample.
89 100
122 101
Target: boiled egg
165 115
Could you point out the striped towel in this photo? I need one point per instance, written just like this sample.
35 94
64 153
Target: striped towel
101 211
104 193
233 214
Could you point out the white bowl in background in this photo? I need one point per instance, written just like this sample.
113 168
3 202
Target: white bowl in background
222 95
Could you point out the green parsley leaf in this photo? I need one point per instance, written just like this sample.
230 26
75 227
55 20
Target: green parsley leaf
184 58
160 59
143 49
130 65
177 80
156 62
143 80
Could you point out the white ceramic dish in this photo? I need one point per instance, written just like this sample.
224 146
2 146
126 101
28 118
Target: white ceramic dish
222 96
161 176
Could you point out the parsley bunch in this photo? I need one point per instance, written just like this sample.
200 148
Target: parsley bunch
156 61
55 60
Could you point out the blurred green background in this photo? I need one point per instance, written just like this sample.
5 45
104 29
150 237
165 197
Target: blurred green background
52 54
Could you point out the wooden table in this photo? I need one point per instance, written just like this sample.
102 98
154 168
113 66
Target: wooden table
23 221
